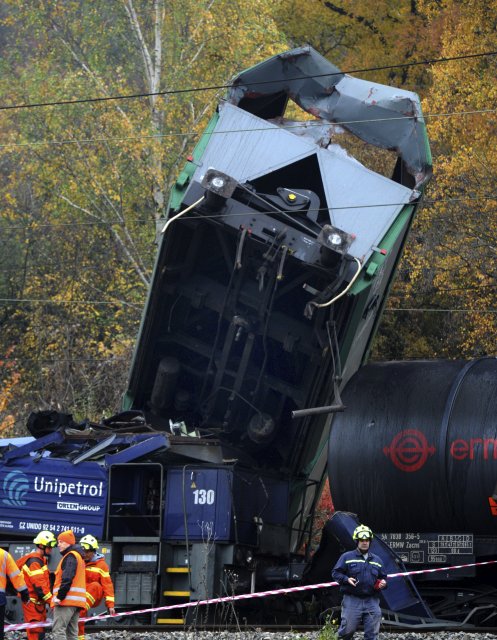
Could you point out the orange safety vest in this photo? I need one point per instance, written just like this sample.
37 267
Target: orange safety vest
36 575
76 596
9 568
98 571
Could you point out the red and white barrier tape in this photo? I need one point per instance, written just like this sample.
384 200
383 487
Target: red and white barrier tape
244 596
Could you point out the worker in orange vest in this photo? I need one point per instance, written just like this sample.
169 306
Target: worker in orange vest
34 567
9 568
69 590
98 581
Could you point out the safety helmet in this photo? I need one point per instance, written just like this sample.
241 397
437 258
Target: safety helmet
89 543
45 539
362 533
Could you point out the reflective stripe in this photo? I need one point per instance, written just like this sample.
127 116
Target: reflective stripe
35 572
104 574
10 568
71 590
377 564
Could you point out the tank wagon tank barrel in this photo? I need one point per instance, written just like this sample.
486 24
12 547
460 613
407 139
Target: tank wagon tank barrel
428 438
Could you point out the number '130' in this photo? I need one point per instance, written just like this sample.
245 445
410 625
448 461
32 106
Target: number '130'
203 496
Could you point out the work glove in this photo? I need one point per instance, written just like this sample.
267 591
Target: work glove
24 595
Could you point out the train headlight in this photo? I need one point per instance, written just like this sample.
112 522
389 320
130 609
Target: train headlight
217 183
335 239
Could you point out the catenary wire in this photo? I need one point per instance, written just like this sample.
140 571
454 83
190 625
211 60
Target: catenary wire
72 302
398 294
423 204
228 86
434 310
23 360
126 359
300 125
111 302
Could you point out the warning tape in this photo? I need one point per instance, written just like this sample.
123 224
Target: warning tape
243 596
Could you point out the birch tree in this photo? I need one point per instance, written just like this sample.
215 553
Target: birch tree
85 181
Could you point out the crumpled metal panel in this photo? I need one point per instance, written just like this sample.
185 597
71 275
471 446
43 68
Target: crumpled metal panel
380 115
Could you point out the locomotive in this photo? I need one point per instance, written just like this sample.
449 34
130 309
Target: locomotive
281 241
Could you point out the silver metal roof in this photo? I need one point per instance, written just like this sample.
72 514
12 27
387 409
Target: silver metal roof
246 147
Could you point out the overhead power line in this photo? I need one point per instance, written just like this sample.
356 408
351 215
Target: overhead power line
43 361
36 226
307 124
71 302
433 310
227 86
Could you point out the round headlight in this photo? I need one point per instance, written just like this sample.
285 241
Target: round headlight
335 239
217 182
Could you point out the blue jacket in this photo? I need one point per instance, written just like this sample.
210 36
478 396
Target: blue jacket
351 564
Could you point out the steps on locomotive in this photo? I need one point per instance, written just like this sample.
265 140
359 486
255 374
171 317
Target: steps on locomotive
176 591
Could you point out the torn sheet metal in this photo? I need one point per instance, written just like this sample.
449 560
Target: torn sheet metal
380 115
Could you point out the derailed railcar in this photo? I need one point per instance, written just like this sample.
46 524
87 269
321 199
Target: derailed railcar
273 267
275 262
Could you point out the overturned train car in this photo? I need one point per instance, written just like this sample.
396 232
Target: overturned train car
274 263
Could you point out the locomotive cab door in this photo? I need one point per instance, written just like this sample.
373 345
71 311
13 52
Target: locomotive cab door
135 501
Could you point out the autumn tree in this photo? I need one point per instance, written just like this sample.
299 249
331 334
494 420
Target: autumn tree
450 264
85 181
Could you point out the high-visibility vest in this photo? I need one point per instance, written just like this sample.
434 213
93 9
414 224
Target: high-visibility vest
36 575
97 570
76 596
9 568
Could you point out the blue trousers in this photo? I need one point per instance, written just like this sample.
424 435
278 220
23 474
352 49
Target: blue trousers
356 611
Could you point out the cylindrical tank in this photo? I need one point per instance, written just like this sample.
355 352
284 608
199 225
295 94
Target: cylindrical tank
416 447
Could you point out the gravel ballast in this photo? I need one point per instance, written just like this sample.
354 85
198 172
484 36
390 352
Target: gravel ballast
262 635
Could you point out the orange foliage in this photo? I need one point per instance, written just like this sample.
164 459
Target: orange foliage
323 512
11 379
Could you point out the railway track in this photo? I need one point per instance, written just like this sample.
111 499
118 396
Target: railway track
280 630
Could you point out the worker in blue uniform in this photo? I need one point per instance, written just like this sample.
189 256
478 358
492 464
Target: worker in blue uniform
361 577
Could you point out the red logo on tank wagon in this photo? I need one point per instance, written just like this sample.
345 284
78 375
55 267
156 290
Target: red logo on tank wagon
409 450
